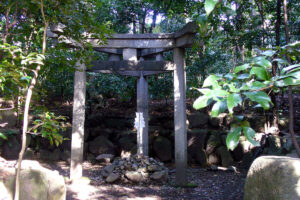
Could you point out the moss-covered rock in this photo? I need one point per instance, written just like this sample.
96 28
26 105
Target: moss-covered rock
274 178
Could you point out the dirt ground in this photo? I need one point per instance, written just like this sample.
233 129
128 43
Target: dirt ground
209 185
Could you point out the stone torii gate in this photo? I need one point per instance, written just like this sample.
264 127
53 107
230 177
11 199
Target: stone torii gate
136 50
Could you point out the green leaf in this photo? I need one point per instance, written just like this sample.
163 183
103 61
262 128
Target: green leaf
243 76
219 93
260 97
291 68
263 62
201 102
209 6
211 80
3 136
218 108
232 101
232 139
241 68
250 134
260 72
269 53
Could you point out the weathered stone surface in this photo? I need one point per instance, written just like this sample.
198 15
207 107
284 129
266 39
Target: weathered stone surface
195 142
217 121
274 145
66 156
213 159
198 120
225 156
159 176
136 168
36 183
11 148
101 145
8 118
213 142
50 155
163 148
153 168
108 170
134 176
107 158
273 177
112 178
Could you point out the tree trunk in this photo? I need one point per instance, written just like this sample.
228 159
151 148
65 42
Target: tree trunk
153 21
291 106
26 109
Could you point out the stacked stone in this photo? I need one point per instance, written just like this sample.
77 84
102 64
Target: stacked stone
137 168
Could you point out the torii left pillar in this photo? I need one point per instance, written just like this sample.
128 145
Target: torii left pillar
78 121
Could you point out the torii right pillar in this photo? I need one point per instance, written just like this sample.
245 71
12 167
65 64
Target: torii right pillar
180 117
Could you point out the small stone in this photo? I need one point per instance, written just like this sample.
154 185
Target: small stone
134 176
112 178
107 170
152 168
214 168
232 168
107 158
159 176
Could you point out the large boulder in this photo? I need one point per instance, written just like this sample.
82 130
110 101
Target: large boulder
195 142
273 177
11 148
163 148
198 120
36 183
225 156
101 145
8 118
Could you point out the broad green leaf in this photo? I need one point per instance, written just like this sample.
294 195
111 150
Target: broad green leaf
205 91
209 6
245 123
250 134
291 68
243 76
263 63
211 80
219 93
241 68
218 108
232 101
201 102
260 72
269 53
281 61
232 139
260 97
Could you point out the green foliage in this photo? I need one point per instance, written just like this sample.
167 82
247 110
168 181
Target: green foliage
250 82
49 126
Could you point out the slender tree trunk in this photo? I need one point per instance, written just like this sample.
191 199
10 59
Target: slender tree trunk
27 107
260 8
291 106
278 22
153 21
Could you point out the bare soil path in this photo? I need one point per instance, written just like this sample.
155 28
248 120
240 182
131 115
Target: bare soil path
210 185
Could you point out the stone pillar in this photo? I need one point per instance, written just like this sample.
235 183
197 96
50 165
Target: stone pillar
180 117
142 109
78 122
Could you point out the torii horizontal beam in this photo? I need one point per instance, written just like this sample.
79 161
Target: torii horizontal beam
182 38
123 66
